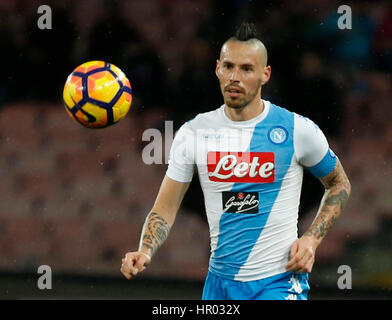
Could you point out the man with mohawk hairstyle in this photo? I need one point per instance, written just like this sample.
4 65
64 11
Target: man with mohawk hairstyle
250 155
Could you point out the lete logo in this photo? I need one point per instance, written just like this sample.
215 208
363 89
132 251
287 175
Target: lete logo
254 167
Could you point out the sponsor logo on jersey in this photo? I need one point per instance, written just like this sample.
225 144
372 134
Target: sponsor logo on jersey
213 136
240 202
252 167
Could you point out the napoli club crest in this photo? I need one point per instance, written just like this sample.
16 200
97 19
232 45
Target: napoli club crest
278 135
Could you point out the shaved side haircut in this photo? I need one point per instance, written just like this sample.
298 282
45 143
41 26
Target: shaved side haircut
247 32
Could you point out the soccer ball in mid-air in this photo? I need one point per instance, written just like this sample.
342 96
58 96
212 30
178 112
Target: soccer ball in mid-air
97 94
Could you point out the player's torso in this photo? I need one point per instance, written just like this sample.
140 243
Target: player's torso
251 184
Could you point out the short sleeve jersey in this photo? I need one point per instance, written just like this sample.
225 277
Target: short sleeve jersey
251 176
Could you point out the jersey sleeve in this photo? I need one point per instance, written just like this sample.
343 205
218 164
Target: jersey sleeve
311 147
181 157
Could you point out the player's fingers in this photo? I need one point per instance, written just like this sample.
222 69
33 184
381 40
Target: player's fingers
292 266
295 260
124 266
293 257
309 266
306 256
129 264
140 265
307 260
126 274
305 265
129 269
293 249
142 261
125 271
300 259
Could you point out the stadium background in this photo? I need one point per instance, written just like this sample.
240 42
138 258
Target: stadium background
75 199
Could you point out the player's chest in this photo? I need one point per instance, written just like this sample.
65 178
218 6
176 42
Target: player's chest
244 156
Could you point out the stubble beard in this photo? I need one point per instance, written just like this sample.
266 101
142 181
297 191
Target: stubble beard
239 103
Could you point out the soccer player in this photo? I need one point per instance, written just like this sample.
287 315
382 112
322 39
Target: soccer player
249 155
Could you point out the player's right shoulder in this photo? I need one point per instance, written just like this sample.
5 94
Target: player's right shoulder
203 120
199 122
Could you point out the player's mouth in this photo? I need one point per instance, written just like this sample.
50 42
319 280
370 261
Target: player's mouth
234 91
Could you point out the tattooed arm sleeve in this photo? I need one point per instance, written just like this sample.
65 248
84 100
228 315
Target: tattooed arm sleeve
155 232
160 219
337 192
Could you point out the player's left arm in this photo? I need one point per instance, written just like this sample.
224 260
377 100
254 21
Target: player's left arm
337 191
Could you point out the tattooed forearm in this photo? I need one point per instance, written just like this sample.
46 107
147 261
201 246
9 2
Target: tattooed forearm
338 199
325 219
334 200
155 232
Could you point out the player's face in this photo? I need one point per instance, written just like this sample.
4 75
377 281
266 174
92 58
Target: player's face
240 73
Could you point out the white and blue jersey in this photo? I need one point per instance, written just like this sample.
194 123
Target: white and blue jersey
251 176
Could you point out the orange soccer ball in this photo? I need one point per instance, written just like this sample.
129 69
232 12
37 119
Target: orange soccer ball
97 94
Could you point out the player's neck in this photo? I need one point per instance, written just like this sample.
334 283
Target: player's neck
250 111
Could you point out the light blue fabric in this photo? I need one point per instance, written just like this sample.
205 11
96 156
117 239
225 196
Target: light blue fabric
284 286
325 166
239 232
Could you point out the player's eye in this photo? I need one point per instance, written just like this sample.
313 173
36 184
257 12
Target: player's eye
228 66
247 68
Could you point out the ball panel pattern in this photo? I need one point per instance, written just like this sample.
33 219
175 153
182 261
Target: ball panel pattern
97 94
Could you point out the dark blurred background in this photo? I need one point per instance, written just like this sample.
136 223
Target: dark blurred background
75 199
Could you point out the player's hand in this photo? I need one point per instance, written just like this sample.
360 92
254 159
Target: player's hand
302 255
134 263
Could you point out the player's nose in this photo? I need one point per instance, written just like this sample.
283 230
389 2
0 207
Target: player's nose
234 76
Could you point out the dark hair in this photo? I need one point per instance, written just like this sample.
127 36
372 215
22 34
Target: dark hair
246 31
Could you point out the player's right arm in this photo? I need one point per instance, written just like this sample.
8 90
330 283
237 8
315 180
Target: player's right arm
156 227
163 213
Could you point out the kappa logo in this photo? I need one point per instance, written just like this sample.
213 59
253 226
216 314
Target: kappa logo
278 135
213 136
291 297
295 289
295 285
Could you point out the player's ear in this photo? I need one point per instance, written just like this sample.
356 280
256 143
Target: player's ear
217 67
266 75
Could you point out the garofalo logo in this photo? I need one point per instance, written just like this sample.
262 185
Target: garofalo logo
240 202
